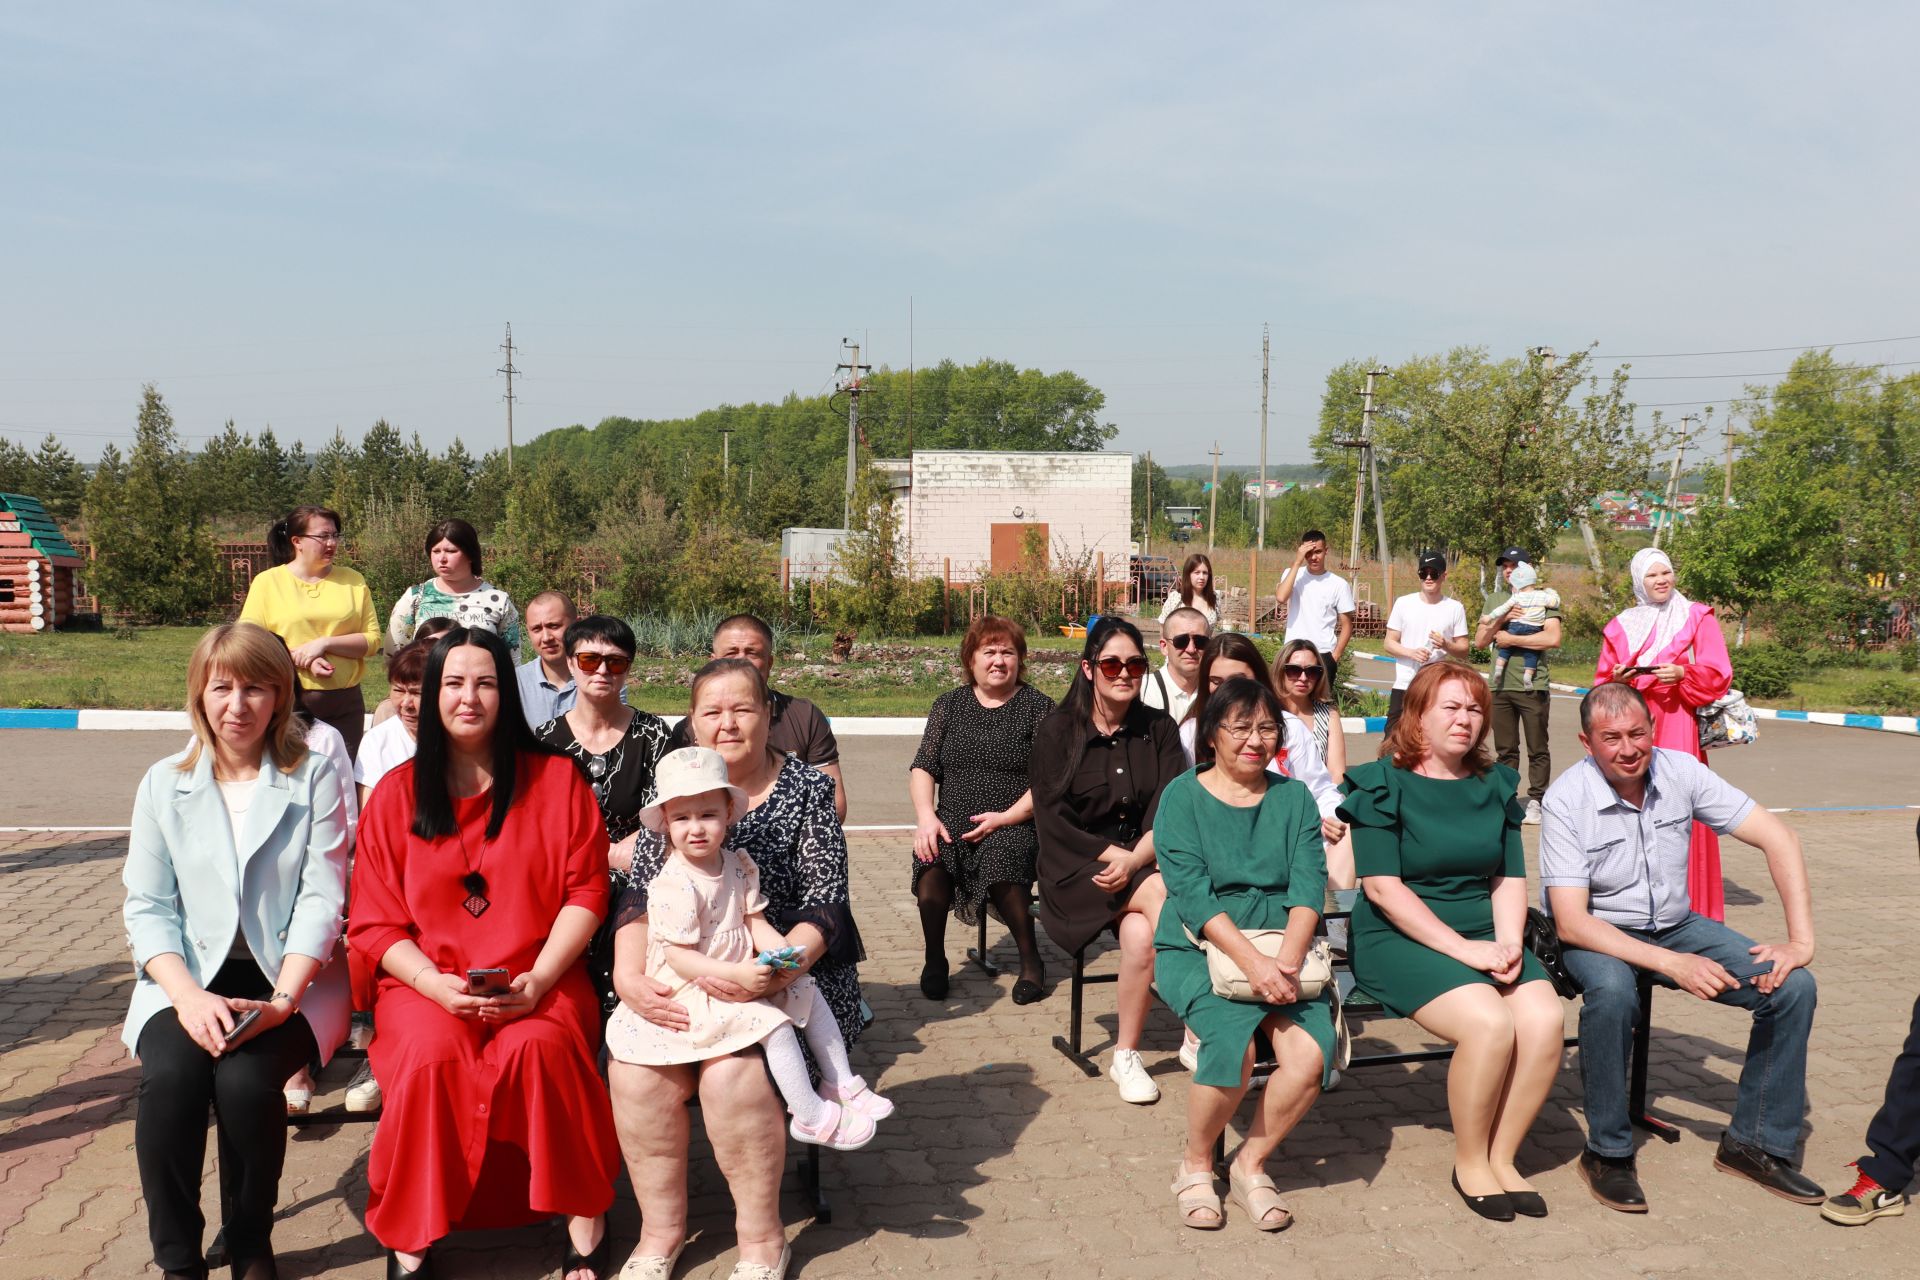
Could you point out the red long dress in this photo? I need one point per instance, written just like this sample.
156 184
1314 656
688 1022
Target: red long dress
484 1125
1707 675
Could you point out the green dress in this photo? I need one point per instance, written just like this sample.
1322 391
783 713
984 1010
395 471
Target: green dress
1447 840
1256 864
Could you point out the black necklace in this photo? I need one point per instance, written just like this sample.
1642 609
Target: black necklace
473 882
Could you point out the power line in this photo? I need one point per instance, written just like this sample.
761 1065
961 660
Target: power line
1776 373
1755 351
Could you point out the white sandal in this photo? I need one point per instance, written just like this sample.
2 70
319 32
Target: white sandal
1195 1196
651 1266
1259 1197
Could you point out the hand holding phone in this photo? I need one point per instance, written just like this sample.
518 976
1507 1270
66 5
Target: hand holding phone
487 982
240 1026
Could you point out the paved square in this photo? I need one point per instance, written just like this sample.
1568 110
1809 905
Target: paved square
1003 1159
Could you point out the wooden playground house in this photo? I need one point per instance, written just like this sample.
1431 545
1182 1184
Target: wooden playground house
39 568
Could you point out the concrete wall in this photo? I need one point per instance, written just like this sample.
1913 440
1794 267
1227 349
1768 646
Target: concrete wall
1085 499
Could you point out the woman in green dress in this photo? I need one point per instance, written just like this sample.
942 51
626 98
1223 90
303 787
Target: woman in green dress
1240 848
1438 934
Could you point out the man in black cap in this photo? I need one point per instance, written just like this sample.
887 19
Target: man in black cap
1516 706
1424 626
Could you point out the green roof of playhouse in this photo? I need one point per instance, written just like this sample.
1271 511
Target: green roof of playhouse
37 525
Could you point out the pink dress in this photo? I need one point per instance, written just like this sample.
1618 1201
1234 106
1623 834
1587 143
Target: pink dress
688 907
1701 651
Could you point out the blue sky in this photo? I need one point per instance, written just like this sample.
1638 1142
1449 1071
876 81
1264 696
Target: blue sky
317 216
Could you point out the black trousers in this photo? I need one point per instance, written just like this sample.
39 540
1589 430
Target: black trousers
344 709
1517 709
1395 702
1331 686
1894 1134
179 1081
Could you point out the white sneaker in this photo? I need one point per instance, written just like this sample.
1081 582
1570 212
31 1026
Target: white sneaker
1533 813
1136 1086
363 1091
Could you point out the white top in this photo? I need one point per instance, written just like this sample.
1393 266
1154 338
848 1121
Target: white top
1314 607
386 746
330 745
1414 619
1174 701
1304 761
238 797
1199 602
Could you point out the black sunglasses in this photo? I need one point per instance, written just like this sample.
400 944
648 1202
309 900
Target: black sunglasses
615 663
1313 672
1430 575
1191 640
1112 667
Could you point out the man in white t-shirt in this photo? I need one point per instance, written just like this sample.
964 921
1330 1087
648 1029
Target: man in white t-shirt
1425 626
1319 604
1183 637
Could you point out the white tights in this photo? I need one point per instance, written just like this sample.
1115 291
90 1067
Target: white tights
789 1068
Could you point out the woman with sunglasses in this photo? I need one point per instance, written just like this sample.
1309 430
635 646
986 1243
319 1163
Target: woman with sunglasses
616 749
324 613
1100 760
1298 677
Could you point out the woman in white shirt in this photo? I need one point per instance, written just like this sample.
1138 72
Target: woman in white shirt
1194 590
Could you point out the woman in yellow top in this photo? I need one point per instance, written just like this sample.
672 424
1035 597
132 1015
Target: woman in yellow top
323 612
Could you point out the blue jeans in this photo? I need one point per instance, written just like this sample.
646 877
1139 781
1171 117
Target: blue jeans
1773 1081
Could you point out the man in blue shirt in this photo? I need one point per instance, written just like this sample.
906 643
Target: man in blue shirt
1613 872
546 686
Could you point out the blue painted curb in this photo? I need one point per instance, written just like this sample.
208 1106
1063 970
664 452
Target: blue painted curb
39 718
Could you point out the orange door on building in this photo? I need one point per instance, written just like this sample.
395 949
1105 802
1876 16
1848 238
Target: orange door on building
1010 543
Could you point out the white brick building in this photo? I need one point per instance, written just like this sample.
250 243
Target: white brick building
976 507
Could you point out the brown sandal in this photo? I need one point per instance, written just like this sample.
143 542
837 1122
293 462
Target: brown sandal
1259 1197
1194 1194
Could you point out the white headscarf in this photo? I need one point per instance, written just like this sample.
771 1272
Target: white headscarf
1663 621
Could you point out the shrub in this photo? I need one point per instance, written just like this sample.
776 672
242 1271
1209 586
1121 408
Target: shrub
634 531
1892 696
387 546
1766 670
1910 656
721 567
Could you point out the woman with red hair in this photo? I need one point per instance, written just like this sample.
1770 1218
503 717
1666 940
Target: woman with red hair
1437 935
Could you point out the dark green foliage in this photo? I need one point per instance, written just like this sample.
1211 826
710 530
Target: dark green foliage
1766 671
155 558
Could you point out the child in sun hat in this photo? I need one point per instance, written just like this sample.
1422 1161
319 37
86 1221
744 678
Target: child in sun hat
706 918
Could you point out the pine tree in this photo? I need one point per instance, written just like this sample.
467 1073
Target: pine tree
17 472
154 558
59 481
274 482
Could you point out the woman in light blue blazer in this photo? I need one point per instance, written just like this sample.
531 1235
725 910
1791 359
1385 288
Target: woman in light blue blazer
236 873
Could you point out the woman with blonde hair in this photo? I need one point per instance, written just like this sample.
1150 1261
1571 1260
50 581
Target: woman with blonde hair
235 875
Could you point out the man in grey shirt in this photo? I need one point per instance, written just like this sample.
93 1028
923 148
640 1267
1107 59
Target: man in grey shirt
1613 873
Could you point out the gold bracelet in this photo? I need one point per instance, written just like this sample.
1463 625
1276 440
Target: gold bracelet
413 983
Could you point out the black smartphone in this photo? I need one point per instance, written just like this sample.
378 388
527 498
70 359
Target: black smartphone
487 982
1747 973
247 1019
1633 671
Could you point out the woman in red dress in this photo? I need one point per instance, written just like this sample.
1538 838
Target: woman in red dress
484 852
1671 649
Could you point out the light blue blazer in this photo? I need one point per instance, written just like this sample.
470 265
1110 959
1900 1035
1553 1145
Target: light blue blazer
186 895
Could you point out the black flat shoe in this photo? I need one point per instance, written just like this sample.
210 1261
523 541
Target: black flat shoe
1770 1171
397 1272
1528 1204
933 980
1613 1181
597 1260
1027 991
1494 1208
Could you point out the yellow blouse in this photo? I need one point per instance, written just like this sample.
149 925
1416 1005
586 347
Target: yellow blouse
296 611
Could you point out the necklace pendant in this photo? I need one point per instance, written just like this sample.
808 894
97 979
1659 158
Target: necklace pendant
476 905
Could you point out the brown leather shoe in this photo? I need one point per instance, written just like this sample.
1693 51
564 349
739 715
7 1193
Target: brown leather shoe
1613 1181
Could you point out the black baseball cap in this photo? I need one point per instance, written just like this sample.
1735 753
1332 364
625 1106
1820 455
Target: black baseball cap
1514 554
1431 562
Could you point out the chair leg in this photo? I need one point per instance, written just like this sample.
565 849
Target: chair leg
1637 1087
810 1182
978 954
1069 1044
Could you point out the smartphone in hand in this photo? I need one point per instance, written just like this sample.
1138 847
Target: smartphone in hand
487 982
246 1020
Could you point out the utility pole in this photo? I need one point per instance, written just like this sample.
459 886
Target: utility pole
853 386
1213 496
1726 492
726 450
1365 469
1146 525
1265 350
1547 357
1671 498
509 370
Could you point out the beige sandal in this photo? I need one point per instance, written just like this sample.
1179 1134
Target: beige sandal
1259 1197
1195 1195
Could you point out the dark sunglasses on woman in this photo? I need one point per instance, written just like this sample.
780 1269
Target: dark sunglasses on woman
1112 667
1309 674
616 663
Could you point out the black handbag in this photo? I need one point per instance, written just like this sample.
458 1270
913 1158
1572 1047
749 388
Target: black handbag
1544 941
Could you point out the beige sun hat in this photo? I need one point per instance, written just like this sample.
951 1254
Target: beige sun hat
690 771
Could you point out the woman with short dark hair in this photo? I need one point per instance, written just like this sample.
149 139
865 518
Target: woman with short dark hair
976 841
616 750
480 879
456 590
324 613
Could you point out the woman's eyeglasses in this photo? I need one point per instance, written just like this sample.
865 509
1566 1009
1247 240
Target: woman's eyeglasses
328 538
1309 674
1266 731
1112 667
1191 640
615 663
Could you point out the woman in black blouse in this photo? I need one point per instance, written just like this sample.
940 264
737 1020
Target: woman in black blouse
1100 760
977 841
615 748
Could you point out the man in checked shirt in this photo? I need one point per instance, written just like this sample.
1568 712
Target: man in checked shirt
1613 871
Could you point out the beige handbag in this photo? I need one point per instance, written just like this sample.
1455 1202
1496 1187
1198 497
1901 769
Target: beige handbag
1230 983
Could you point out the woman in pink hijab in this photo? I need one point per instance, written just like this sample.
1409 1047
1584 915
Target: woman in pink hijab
1672 651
